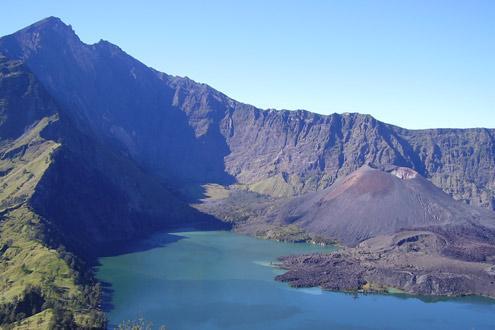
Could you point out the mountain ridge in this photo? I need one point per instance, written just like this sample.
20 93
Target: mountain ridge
220 130
96 148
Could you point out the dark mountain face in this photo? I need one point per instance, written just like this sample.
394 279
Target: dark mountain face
119 99
89 191
14 78
188 133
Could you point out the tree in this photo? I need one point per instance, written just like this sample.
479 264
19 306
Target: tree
139 324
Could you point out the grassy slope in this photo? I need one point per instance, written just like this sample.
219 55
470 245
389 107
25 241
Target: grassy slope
274 186
24 160
41 321
26 261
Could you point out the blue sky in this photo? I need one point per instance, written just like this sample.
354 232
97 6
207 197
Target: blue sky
417 64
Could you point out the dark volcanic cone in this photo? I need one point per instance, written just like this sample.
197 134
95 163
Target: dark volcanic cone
371 202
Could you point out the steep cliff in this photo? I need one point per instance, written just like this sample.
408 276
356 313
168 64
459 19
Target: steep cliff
188 133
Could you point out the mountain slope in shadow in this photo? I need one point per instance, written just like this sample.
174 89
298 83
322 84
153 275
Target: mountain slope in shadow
189 134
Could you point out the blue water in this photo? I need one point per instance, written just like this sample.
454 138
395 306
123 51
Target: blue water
222 280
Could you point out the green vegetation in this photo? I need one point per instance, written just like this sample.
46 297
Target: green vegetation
293 233
41 284
290 233
26 261
139 324
24 161
41 320
279 185
27 266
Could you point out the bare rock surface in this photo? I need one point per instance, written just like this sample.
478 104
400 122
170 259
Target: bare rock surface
188 133
412 261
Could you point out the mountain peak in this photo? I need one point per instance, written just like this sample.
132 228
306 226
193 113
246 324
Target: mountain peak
52 20
51 32
51 23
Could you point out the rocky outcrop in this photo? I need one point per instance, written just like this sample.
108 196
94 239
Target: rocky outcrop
412 261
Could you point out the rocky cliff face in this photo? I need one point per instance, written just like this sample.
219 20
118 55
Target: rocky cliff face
291 152
118 100
188 133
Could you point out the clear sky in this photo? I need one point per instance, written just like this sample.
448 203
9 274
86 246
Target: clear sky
417 64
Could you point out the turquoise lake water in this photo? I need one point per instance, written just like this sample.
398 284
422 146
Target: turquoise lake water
222 280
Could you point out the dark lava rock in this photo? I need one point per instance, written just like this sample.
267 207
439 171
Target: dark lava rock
381 263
